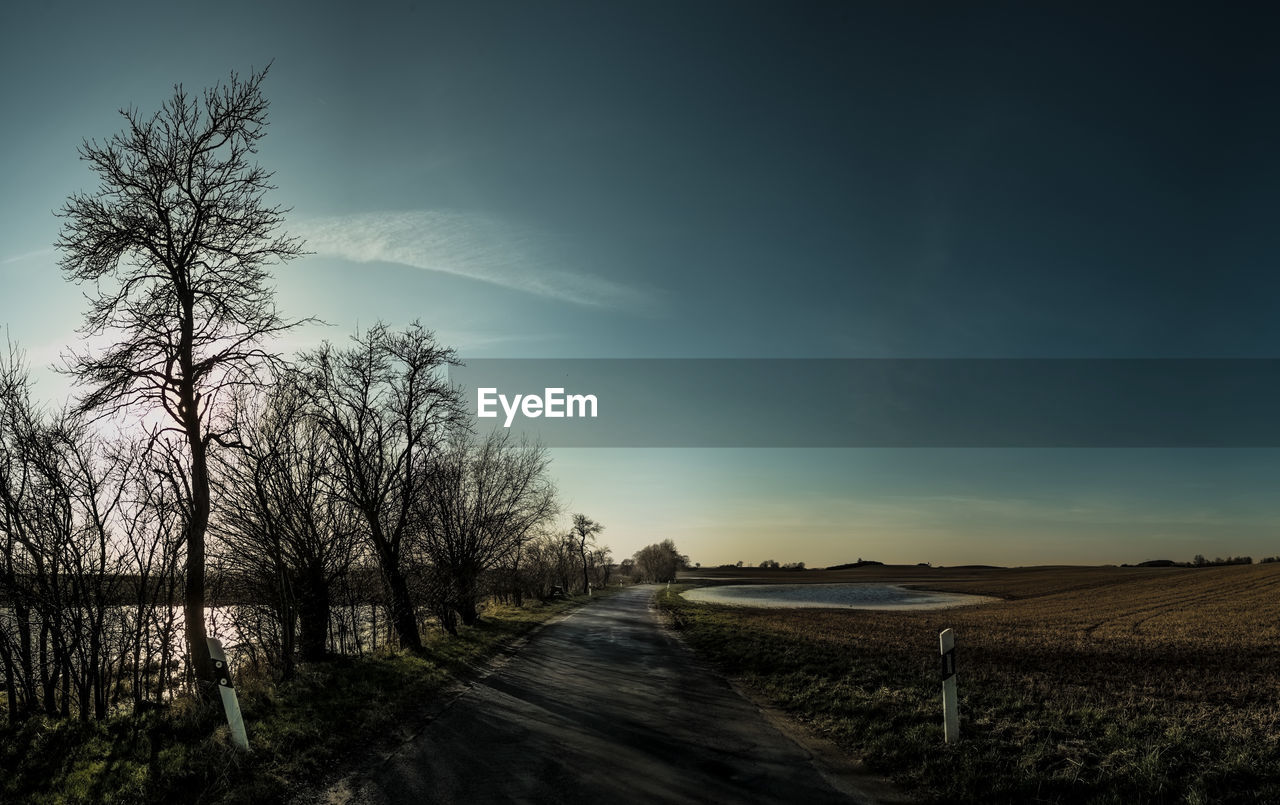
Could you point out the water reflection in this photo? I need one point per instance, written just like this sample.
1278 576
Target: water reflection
845 596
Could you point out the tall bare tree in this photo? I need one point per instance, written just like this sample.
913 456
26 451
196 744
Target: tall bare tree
64 638
485 499
174 246
583 535
388 409
277 510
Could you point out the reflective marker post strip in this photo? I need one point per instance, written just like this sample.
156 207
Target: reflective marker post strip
950 702
950 699
222 675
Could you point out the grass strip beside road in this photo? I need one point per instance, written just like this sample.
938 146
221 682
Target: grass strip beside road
1112 704
301 731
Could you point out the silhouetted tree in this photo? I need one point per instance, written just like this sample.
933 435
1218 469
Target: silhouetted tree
583 534
601 564
388 411
174 246
659 562
71 532
485 499
546 561
280 516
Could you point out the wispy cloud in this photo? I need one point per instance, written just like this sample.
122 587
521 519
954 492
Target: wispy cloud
467 245
467 343
19 258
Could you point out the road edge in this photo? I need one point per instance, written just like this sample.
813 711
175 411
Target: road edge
348 788
848 775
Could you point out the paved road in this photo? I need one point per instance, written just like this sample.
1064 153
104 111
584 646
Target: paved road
603 706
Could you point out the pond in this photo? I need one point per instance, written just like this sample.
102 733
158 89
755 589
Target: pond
842 596
242 630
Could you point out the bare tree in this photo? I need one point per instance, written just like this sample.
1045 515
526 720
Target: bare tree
583 534
627 567
279 516
388 410
152 530
65 496
174 246
601 560
485 499
541 563
659 562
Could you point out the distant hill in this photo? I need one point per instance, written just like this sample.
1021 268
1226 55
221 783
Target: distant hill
859 563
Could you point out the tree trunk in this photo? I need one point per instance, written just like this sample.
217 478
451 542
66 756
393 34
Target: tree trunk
101 687
84 696
449 619
467 595
198 526
467 608
97 670
403 617
11 691
517 583
313 607
65 711
10 686
26 666
49 667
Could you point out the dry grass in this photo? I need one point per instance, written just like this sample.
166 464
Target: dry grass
334 714
1086 684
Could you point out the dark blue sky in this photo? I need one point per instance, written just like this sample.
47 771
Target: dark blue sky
737 180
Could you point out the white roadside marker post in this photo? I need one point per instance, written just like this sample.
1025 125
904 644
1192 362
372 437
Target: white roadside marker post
950 701
222 674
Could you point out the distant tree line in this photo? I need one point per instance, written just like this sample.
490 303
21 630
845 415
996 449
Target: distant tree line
1200 561
767 564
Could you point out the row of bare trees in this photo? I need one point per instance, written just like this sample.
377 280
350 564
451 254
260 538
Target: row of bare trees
319 502
358 456
90 558
350 504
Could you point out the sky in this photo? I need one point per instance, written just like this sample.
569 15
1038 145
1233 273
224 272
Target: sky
740 180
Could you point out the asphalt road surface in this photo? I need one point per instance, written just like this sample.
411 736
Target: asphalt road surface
604 706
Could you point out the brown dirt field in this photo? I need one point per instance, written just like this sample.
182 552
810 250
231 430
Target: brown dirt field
1085 684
